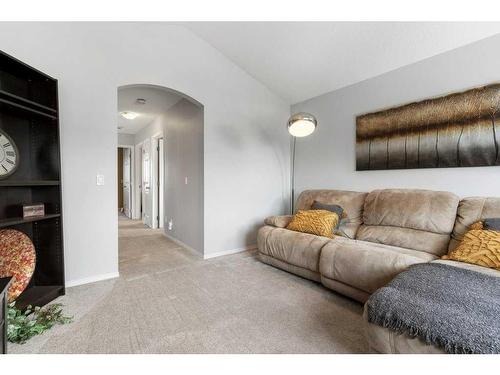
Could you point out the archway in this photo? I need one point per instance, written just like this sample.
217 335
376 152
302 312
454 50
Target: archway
160 133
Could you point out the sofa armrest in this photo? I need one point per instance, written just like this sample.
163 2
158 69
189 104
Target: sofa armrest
278 221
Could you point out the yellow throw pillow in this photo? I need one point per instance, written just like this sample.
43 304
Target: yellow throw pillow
479 246
318 222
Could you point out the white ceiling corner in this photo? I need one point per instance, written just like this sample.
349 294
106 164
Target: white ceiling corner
301 60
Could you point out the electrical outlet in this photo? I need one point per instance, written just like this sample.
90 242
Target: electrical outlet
170 224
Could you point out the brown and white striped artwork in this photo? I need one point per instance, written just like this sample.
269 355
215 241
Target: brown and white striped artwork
456 130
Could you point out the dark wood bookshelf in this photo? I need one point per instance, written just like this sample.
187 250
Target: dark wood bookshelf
15 107
30 183
4 284
26 101
29 115
39 295
19 220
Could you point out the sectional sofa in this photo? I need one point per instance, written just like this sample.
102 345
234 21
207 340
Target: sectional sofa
385 232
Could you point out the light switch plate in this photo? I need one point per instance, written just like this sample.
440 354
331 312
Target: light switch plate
100 179
185 180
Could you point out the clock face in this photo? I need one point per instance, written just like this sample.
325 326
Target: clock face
9 158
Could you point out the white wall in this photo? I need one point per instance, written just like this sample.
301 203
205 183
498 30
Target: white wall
326 159
246 145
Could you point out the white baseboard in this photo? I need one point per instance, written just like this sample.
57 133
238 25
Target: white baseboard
212 255
92 279
180 243
229 252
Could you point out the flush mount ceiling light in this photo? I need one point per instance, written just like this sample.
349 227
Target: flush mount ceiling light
302 124
129 115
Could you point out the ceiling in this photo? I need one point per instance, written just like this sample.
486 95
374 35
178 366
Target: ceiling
301 60
158 101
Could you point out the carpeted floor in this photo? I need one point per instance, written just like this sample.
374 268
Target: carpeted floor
168 300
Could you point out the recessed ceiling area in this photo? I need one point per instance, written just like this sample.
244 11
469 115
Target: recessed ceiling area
301 60
157 101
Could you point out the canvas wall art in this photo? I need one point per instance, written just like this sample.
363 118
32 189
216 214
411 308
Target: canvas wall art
456 130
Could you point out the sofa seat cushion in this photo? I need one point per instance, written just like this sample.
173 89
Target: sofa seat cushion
295 248
365 265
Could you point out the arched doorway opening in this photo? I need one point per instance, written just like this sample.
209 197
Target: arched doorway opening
160 173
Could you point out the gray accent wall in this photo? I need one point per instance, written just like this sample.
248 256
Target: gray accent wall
327 158
183 142
182 129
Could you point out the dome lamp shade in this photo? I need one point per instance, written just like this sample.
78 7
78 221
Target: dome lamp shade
302 124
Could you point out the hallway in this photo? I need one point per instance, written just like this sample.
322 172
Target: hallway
144 251
168 300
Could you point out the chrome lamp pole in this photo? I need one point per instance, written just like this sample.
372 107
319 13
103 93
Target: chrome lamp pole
300 124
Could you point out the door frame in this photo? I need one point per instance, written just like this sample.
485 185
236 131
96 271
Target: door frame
138 180
132 178
161 173
155 139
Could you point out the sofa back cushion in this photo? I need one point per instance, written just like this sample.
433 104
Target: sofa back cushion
351 201
471 210
415 219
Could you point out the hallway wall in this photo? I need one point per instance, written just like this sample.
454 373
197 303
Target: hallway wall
182 129
183 135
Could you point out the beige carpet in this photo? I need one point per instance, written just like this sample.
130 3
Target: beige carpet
168 300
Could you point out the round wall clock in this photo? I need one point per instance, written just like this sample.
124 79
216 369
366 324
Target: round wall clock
9 155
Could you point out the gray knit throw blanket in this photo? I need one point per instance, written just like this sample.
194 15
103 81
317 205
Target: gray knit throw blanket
455 309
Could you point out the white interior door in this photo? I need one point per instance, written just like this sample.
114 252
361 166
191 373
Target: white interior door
127 162
147 201
161 180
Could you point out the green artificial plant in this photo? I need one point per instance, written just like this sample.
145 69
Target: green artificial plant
23 325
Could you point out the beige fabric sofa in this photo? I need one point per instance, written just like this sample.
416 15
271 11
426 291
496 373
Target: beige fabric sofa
386 232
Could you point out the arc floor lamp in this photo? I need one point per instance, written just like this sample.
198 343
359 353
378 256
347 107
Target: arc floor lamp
301 125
